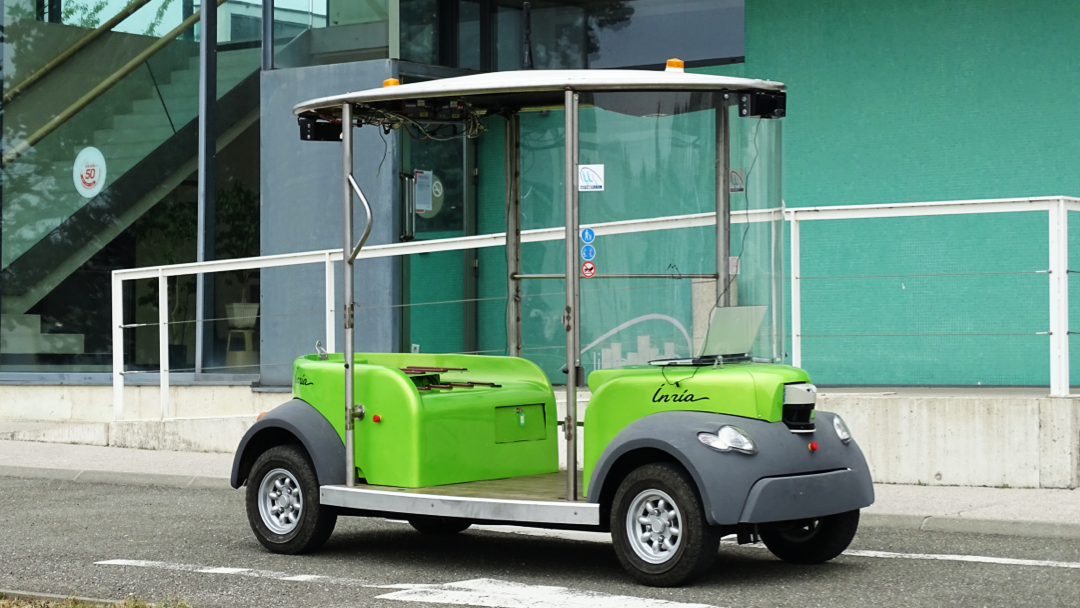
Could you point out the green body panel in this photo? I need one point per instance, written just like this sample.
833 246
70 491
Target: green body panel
624 395
438 436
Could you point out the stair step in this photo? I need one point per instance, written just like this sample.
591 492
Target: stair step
155 135
20 324
43 344
21 334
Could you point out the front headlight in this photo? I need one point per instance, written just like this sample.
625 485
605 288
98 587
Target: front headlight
729 438
841 429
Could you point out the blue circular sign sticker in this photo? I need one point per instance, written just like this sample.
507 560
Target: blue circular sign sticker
587 235
588 252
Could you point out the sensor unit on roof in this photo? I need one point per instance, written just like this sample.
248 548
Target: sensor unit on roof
765 105
313 130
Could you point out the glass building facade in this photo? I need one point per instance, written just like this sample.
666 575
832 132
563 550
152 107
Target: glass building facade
102 165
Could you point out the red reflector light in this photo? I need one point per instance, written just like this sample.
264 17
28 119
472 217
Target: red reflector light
376 418
813 446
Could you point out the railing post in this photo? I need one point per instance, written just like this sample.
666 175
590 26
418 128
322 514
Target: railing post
330 298
163 340
1059 299
118 346
796 294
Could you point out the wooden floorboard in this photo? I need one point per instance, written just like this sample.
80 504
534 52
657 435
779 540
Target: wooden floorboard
549 486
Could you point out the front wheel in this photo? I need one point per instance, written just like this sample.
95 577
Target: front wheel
811 541
659 528
283 502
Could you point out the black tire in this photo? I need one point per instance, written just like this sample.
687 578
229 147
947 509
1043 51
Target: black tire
696 544
811 541
312 523
439 526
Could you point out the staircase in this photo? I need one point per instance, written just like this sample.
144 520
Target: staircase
149 145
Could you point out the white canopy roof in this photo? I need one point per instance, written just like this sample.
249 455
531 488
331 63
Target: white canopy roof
526 81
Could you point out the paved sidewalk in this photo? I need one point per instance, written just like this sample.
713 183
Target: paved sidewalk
1020 512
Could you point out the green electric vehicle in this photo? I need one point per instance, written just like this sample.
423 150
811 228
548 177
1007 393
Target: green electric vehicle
682 447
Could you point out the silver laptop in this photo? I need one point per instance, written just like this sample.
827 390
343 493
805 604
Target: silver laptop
732 330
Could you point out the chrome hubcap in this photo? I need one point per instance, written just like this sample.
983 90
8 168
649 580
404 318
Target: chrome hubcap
654 526
280 501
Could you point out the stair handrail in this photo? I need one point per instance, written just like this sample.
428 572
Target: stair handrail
100 89
69 52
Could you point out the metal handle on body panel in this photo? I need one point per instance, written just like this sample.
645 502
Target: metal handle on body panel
357 412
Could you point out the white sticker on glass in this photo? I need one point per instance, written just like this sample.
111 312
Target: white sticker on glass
88 173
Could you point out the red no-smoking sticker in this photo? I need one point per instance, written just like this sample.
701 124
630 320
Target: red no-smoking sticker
588 269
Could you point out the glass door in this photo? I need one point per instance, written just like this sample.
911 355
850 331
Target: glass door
439 289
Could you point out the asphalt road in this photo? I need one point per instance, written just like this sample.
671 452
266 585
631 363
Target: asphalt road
54 533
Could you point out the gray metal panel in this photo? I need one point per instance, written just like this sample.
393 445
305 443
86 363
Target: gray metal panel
488 509
804 496
725 479
314 431
301 211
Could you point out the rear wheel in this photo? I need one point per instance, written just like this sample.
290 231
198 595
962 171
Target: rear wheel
439 526
283 502
659 528
811 541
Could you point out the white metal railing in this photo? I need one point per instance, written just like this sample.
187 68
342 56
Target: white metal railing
330 256
1057 209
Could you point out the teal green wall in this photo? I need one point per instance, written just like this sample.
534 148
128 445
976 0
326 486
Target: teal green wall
922 101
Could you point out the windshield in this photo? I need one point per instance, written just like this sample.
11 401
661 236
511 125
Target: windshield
642 156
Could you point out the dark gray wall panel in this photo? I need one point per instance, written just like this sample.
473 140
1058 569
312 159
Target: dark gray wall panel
301 211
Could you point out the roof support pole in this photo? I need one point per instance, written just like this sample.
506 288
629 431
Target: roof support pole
723 207
513 235
572 314
347 284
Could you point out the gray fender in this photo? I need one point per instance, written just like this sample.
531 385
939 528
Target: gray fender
302 421
783 481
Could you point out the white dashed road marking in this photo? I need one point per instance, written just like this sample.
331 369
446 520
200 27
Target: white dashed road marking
600 537
503 594
480 592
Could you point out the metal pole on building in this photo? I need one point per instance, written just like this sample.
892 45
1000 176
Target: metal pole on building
267 34
723 207
347 284
571 316
513 236
204 294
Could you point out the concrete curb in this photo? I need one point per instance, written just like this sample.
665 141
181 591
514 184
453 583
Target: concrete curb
918 523
969 525
10 594
118 478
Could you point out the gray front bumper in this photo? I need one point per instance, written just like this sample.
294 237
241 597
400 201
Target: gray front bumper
806 496
783 481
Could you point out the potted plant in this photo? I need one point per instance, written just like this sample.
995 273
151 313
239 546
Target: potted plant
238 237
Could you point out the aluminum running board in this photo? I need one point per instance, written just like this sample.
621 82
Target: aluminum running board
465 507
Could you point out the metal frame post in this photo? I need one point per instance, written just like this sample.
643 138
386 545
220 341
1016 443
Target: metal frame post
163 341
470 269
513 235
347 284
118 346
1059 299
207 171
796 293
723 206
572 314
330 298
267 34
